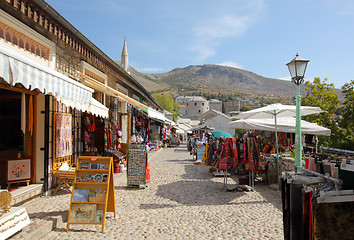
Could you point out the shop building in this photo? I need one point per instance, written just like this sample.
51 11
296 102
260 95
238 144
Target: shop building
60 96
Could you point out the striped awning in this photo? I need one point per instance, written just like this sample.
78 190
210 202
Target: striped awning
16 67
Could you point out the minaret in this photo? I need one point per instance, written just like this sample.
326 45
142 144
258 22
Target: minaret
124 57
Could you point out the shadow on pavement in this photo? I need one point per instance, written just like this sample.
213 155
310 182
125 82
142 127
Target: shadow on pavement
63 191
193 171
272 196
184 161
45 215
197 193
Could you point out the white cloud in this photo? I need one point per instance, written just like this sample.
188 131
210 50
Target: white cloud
287 78
210 33
208 36
231 64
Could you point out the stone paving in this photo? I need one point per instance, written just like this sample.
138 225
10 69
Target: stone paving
182 201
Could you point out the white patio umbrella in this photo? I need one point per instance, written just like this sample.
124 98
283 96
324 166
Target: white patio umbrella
277 110
284 124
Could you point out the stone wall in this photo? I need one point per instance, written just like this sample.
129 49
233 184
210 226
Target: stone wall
286 165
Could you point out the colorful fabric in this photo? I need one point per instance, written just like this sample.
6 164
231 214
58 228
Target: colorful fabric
234 151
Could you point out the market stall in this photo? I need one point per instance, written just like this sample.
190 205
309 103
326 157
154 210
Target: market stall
316 206
284 125
275 111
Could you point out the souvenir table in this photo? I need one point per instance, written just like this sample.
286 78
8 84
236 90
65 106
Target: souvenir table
13 221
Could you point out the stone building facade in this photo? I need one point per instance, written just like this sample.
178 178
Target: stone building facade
195 107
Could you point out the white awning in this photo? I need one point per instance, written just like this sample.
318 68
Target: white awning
16 67
152 113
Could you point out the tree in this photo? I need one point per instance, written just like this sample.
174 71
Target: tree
168 103
347 120
322 94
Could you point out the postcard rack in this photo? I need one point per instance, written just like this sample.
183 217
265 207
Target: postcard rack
93 191
136 165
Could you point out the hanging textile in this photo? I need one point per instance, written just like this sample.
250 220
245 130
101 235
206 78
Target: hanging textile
251 164
30 115
23 113
234 151
333 220
244 160
206 155
296 211
306 213
285 197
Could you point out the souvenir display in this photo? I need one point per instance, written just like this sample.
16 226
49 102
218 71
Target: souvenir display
63 135
93 191
83 213
136 165
5 201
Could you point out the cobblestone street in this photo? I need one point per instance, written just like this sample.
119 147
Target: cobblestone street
182 201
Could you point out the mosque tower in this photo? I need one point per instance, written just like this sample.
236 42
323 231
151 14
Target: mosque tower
124 57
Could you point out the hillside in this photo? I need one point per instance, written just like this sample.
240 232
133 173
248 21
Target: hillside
216 78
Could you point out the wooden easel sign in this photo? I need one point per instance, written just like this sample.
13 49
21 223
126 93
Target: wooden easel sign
93 191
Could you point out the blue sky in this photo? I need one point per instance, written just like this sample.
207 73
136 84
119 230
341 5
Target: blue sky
260 36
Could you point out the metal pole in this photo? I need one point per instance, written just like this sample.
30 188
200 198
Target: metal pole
298 147
46 144
277 143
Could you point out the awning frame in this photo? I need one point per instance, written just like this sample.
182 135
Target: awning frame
90 82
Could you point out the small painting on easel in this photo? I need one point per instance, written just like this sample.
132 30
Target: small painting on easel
83 213
18 170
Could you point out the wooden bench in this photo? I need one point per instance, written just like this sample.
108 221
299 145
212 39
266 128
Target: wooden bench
63 170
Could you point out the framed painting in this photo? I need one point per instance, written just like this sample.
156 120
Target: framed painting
18 169
83 213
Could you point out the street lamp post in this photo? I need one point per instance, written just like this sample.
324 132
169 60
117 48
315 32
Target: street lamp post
297 68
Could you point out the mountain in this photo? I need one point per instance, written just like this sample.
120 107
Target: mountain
216 78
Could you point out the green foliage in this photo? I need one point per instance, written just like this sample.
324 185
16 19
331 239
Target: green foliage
347 120
239 133
161 90
245 108
168 103
322 94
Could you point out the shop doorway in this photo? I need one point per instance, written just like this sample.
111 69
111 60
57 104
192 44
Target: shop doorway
125 121
16 141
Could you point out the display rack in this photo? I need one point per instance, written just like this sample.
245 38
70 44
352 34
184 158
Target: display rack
338 182
136 165
93 191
